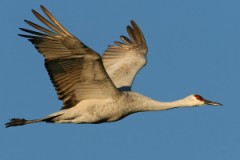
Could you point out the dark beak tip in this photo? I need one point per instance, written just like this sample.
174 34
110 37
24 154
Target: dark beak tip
219 104
212 103
216 104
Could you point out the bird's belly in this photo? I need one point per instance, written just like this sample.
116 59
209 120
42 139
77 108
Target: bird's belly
96 111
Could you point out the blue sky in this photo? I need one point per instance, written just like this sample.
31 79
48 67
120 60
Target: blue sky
194 47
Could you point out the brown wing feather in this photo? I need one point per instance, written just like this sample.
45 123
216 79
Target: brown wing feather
76 70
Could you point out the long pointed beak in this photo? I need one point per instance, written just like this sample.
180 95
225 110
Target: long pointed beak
208 102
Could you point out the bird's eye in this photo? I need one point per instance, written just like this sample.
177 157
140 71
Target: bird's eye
198 97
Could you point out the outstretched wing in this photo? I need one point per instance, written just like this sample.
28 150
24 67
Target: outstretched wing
123 61
76 70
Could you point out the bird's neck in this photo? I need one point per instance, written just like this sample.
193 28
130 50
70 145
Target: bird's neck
148 104
153 105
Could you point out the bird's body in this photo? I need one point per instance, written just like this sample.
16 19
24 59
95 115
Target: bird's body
99 110
94 89
113 109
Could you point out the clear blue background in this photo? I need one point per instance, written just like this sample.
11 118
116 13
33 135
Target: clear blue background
194 47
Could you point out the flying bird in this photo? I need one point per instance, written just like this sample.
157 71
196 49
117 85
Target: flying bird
94 89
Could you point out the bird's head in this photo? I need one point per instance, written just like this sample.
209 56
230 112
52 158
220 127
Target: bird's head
197 100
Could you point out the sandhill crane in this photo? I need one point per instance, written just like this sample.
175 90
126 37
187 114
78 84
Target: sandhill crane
94 89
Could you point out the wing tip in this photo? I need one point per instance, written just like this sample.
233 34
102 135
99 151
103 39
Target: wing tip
133 22
42 7
34 12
